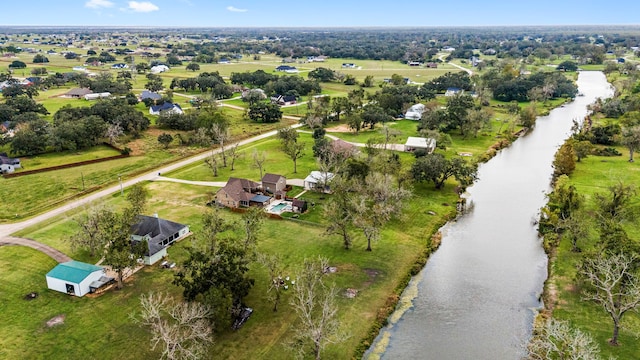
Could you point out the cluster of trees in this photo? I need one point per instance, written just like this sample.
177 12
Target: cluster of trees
608 268
206 82
506 85
73 128
274 84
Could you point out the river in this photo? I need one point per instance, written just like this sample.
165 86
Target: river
479 292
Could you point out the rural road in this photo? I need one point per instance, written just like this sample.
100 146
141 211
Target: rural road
441 57
8 229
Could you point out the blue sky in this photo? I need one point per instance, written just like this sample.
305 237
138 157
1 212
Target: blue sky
317 13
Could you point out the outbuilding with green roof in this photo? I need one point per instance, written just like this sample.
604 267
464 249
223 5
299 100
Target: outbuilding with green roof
74 277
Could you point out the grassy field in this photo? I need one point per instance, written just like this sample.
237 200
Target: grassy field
112 335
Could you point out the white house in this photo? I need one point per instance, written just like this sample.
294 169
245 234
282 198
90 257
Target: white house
415 143
166 107
317 180
7 164
159 234
453 91
75 278
414 112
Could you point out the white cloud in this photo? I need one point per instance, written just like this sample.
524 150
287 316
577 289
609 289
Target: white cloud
143 6
96 4
235 9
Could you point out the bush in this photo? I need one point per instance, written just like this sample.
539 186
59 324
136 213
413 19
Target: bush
608 151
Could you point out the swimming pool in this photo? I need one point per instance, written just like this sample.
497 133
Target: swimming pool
279 208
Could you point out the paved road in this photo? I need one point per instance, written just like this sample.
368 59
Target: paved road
295 182
470 72
8 229
55 254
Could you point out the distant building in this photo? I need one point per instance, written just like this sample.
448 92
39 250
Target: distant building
415 112
159 234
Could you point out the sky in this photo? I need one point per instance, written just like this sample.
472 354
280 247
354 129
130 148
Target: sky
317 13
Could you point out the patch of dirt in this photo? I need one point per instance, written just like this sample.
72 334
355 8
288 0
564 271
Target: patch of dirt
56 320
339 128
372 274
31 296
351 293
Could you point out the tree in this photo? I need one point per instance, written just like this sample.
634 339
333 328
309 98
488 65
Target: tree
558 340
368 81
120 252
458 107
217 278
154 84
614 285
213 224
339 210
564 162
476 120
220 134
251 223
39 59
436 168
275 267
114 131
315 304
567 65
322 74
631 139
142 67
165 139
193 67
294 150
378 201
137 199
258 160
234 154
181 329
582 148
265 112
212 163
527 116
94 228
17 64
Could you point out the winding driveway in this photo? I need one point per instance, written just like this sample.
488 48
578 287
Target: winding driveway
55 254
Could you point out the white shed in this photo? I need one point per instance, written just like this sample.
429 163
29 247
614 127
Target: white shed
317 180
96 96
73 277
415 143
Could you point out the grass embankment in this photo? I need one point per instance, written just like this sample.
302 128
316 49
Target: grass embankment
593 175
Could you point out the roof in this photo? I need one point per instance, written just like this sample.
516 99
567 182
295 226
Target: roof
79 92
316 176
260 198
419 142
165 106
157 229
150 95
73 271
343 147
240 189
272 178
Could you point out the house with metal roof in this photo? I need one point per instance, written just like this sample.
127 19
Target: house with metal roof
159 234
75 278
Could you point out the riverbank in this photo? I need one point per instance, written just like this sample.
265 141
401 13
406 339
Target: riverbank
563 294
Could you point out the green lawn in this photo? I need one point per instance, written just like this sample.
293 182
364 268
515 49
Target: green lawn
375 274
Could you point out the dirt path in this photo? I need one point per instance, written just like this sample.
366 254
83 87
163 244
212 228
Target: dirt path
53 253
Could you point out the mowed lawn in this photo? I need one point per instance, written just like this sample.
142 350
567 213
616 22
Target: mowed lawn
101 327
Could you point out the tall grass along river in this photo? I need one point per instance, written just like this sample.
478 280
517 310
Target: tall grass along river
479 292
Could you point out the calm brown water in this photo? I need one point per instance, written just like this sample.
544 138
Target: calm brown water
478 294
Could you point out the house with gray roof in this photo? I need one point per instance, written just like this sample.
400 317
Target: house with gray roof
239 193
159 234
